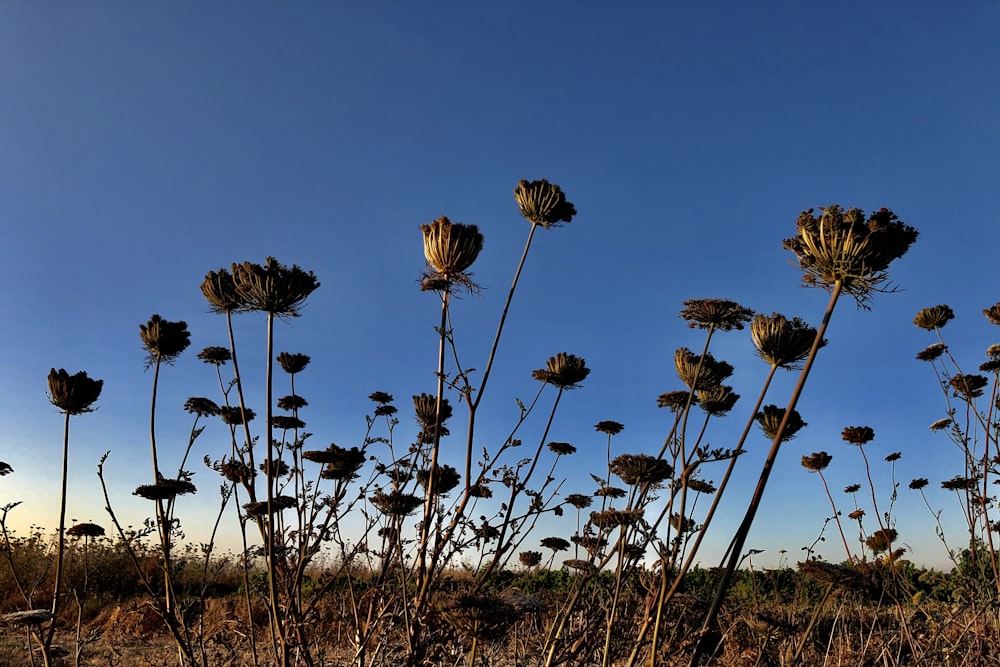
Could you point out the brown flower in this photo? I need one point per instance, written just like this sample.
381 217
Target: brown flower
543 203
215 355
609 427
993 313
165 489
579 500
446 478
610 519
278 504
675 400
881 540
565 371
934 317
852 488
86 529
610 492
380 397
931 352
856 515
941 424
236 471
292 363
968 386
721 314
640 469
291 402
919 483
530 558
770 418
556 544
584 566
701 486
201 406
698 372
959 483
780 341
73 394
426 409
234 416
562 448
451 248
717 400
220 292
164 340
816 461
273 288
340 463
278 468
858 435
895 456
286 423
396 503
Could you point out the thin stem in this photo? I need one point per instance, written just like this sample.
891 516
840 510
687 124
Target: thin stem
61 547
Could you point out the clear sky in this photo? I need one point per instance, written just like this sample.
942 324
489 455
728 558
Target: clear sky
142 145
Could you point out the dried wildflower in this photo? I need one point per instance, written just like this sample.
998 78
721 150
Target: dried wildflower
278 504
340 463
426 409
721 314
278 468
30 617
215 355
579 500
701 486
486 532
164 340
770 418
584 566
856 515
816 461
543 203
385 410
201 406
991 366
633 551
451 248
562 448
287 423
610 492
959 483
610 519
591 543
565 371
86 529
931 352
993 314
236 471
446 478
219 290
968 386
881 540
556 544
710 373
780 341
919 483
934 318
941 424
675 400
291 402
292 363
858 435
530 558
717 400
5 468
273 288
165 489
480 490
73 394
380 397
895 456
609 427
234 416
852 488
842 247
640 469
682 524
396 503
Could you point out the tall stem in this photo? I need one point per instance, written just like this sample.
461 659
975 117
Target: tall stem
278 631
61 547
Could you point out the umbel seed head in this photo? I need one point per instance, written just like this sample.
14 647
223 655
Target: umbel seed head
816 461
273 288
292 363
164 340
543 203
934 318
220 292
451 248
73 394
721 314
699 372
565 371
770 418
781 341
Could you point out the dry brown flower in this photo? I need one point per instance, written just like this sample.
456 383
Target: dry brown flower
919 483
86 529
286 422
579 500
556 544
561 448
273 288
291 402
934 317
710 373
968 386
530 558
721 314
895 456
584 566
236 471
29 617
164 340
941 424
881 540
73 394
852 488
215 355
636 469
451 248
220 292
841 576
480 490
675 400
770 418
278 504
565 371
165 489
292 363
932 352
543 203
717 400
396 503
610 519
858 435
682 524
856 515
993 313
591 543
609 427
234 415
201 406
959 483
481 616
380 397
425 406
781 341
446 478
816 461
278 468
610 492
701 486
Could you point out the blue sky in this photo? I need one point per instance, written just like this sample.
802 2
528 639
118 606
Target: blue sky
142 146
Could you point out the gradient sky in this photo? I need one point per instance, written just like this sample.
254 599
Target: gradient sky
143 145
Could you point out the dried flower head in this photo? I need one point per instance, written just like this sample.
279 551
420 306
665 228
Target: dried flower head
86 529
856 515
530 558
721 314
5 468
450 249
852 488
556 544
701 486
273 288
934 317
609 427
286 422
235 416
858 435
278 504
220 292
640 469
968 386
675 400
816 461
698 372
682 524
543 203
163 340
842 247
919 483
717 400
425 406
579 500
525 604
591 543
291 402
895 456
562 448
341 463
959 483
781 341
565 371
380 397
931 352
480 490
236 471
993 313
610 519
584 566
941 424
73 394
881 540
215 355
610 492
446 478
165 489
292 363
278 468
770 418
201 406
396 503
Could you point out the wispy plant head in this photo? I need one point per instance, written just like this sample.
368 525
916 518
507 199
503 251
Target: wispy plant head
640 469
609 427
286 422
841 246
340 463
163 340
968 386
273 287
701 486
220 292
451 248
543 203
380 397
276 469
941 424
396 503
292 363
608 491
816 461
932 352
710 374
215 355
858 435
86 529
781 341
236 471
562 448
675 400
530 558
717 400
770 418
565 371
73 394
201 406
934 317
165 489
721 314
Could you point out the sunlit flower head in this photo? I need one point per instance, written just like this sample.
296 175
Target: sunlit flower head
816 461
770 418
721 314
934 317
543 203
425 406
565 371
164 340
968 386
675 400
993 313
781 341
273 287
698 372
220 292
857 435
881 540
932 352
451 248
717 400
